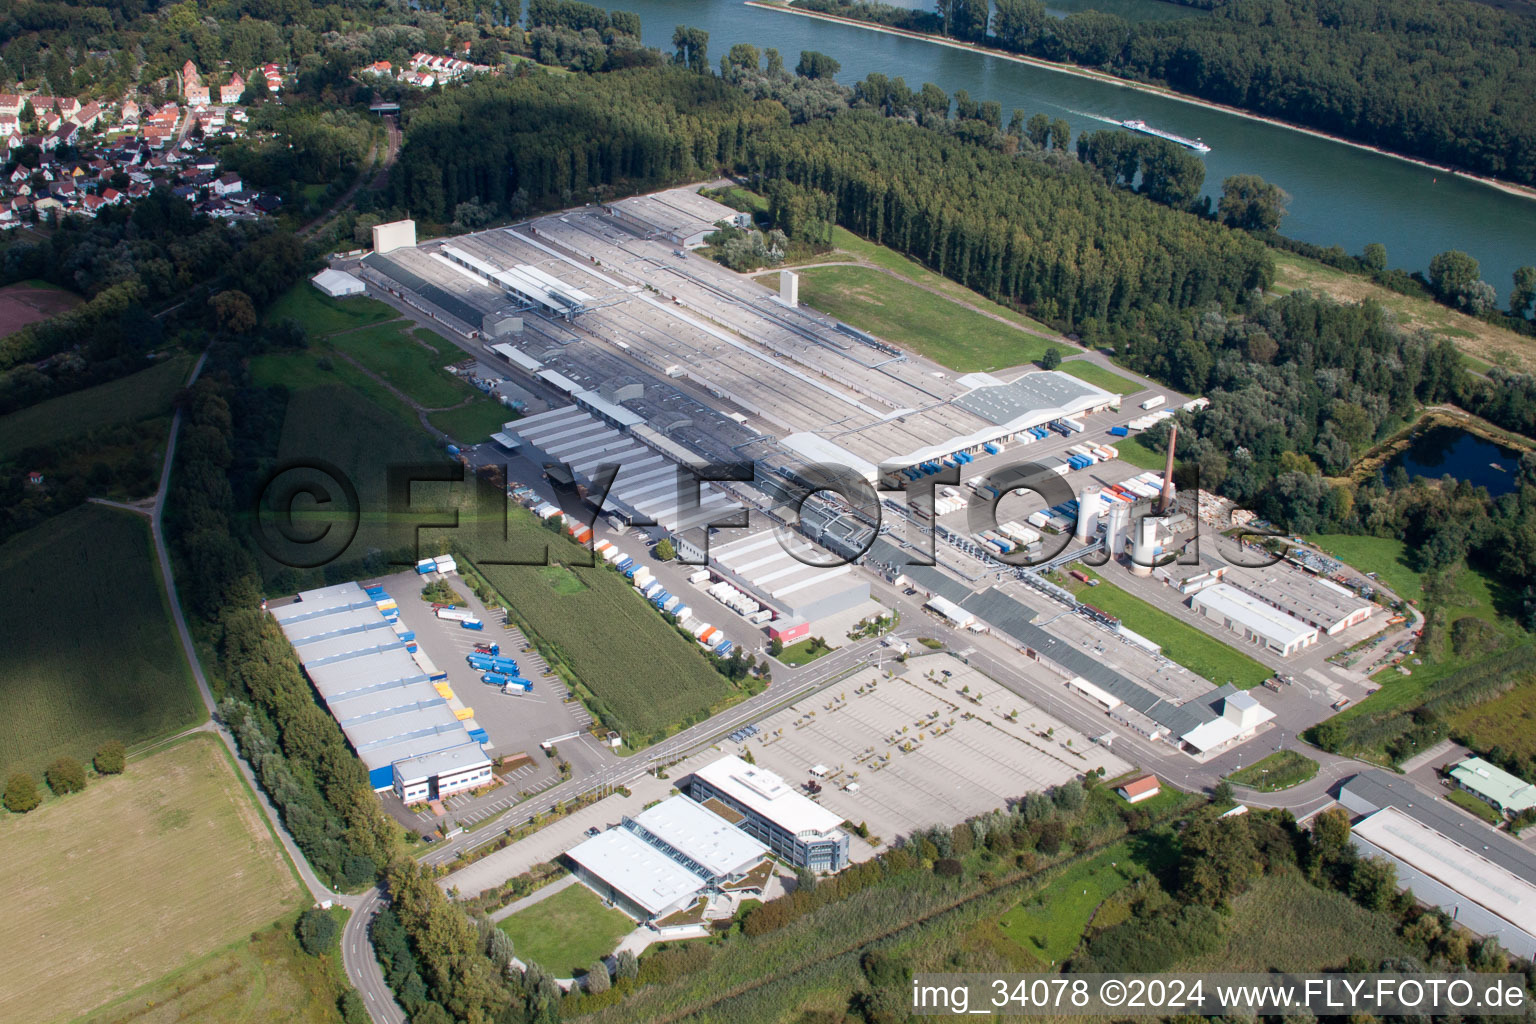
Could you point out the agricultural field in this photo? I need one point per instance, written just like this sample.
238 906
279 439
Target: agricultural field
1285 922
567 931
1201 654
27 302
921 321
646 675
1099 377
118 880
137 396
1049 923
266 977
117 672
1280 770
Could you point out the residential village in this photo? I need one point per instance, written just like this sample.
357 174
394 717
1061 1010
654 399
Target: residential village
67 156
426 70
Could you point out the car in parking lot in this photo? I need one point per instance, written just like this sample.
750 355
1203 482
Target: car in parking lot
594 830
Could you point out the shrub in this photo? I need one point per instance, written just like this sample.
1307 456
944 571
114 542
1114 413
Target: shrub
947 867
317 931
21 793
111 758
66 775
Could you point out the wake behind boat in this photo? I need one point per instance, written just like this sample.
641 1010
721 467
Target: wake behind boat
1146 129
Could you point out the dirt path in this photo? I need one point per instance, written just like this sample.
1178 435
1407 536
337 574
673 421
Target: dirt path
421 411
379 179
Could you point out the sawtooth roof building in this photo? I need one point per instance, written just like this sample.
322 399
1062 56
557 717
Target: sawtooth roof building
391 702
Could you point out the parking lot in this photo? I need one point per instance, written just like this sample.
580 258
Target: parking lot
516 722
936 742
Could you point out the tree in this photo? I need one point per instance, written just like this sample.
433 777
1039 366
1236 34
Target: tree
1451 273
1051 359
1375 256
1330 833
317 931
597 978
111 758
628 966
66 775
1017 23
1039 128
1061 133
499 949
1251 203
233 311
775 647
1523 295
664 549
21 793
691 48
1222 793
816 65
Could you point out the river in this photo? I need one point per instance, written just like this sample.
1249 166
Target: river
1339 195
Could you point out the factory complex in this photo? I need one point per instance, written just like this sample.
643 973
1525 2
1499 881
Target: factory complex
394 705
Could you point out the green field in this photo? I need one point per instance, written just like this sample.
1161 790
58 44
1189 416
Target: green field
1137 454
1201 654
847 244
323 315
412 359
645 676
1385 556
567 931
1280 770
912 318
90 654
1468 802
140 875
134 397
799 654
472 423
1099 377
1050 923
1284 922
362 438
1507 721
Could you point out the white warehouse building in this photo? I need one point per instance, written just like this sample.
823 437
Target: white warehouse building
668 856
1254 620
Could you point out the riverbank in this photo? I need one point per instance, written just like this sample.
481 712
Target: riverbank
1510 188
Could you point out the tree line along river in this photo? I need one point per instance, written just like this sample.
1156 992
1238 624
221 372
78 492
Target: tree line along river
1340 195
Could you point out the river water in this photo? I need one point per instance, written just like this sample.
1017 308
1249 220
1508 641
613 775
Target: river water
1339 195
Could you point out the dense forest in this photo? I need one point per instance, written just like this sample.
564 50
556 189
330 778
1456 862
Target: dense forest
1445 82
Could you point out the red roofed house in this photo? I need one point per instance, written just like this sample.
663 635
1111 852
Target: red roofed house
232 90
189 74
68 106
88 115
1137 790
9 125
128 113
197 95
379 67
11 103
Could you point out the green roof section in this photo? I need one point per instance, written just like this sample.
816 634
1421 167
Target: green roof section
1495 785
